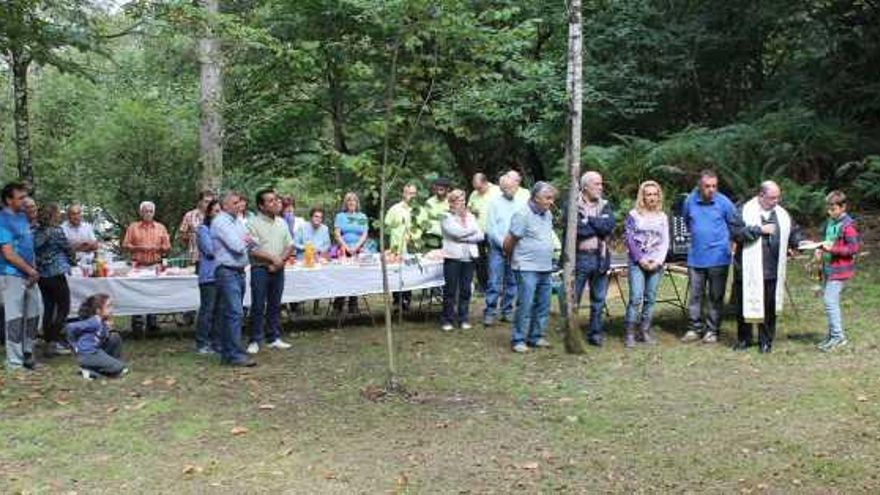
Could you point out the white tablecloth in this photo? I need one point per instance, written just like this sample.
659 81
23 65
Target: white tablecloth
148 295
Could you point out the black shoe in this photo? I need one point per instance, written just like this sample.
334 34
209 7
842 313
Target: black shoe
595 341
765 348
241 363
742 345
29 363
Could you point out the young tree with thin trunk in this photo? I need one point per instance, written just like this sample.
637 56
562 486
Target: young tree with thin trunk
573 342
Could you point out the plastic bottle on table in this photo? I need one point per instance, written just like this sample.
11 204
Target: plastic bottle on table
309 255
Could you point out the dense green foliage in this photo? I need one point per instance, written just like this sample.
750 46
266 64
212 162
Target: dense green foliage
773 89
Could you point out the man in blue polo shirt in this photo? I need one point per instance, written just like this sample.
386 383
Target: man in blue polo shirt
709 216
529 243
22 303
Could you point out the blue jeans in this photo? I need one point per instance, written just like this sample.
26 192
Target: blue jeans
230 291
501 277
831 298
642 292
587 269
208 324
532 308
266 290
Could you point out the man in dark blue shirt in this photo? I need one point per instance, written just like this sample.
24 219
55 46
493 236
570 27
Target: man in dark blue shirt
709 216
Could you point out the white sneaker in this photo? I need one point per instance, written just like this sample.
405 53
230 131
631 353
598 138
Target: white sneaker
447 327
521 348
279 344
253 348
88 374
466 326
59 349
542 342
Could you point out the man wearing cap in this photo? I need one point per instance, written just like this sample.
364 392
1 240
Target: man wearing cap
432 213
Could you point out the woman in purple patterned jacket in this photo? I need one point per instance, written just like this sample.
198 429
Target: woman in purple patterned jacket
647 241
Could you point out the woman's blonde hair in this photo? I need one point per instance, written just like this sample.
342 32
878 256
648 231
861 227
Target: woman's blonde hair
455 195
351 195
641 207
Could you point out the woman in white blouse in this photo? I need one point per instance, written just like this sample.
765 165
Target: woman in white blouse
461 234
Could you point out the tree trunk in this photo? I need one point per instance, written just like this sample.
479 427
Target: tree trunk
337 108
210 103
573 342
393 384
21 115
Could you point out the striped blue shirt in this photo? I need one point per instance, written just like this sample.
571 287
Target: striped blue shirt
230 241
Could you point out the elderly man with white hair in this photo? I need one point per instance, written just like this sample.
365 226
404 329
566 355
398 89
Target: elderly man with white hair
522 194
763 240
595 223
147 241
501 278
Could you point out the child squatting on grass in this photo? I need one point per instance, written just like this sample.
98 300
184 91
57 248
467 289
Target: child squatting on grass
97 348
837 255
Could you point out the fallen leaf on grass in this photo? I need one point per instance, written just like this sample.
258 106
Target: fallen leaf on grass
287 452
402 480
61 402
112 409
330 475
147 382
862 398
372 393
35 395
191 469
529 466
238 430
170 381
266 407
137 407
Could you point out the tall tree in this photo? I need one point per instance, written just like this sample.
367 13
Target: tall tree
20 60
573 343
210 103
41 31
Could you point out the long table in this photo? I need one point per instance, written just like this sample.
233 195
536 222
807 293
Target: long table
177 294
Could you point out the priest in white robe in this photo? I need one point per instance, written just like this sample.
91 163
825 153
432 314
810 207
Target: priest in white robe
764 239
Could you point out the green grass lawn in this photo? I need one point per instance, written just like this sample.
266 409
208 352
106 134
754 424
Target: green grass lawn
673 418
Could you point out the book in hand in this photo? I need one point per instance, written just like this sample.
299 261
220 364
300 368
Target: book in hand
809 245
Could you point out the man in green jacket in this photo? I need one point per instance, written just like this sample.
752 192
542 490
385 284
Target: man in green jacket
432 213
401 231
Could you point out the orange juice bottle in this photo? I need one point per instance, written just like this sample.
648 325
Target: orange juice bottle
309 255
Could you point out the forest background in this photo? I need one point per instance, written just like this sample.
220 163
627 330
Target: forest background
781 89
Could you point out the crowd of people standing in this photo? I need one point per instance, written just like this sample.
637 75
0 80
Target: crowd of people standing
503 235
